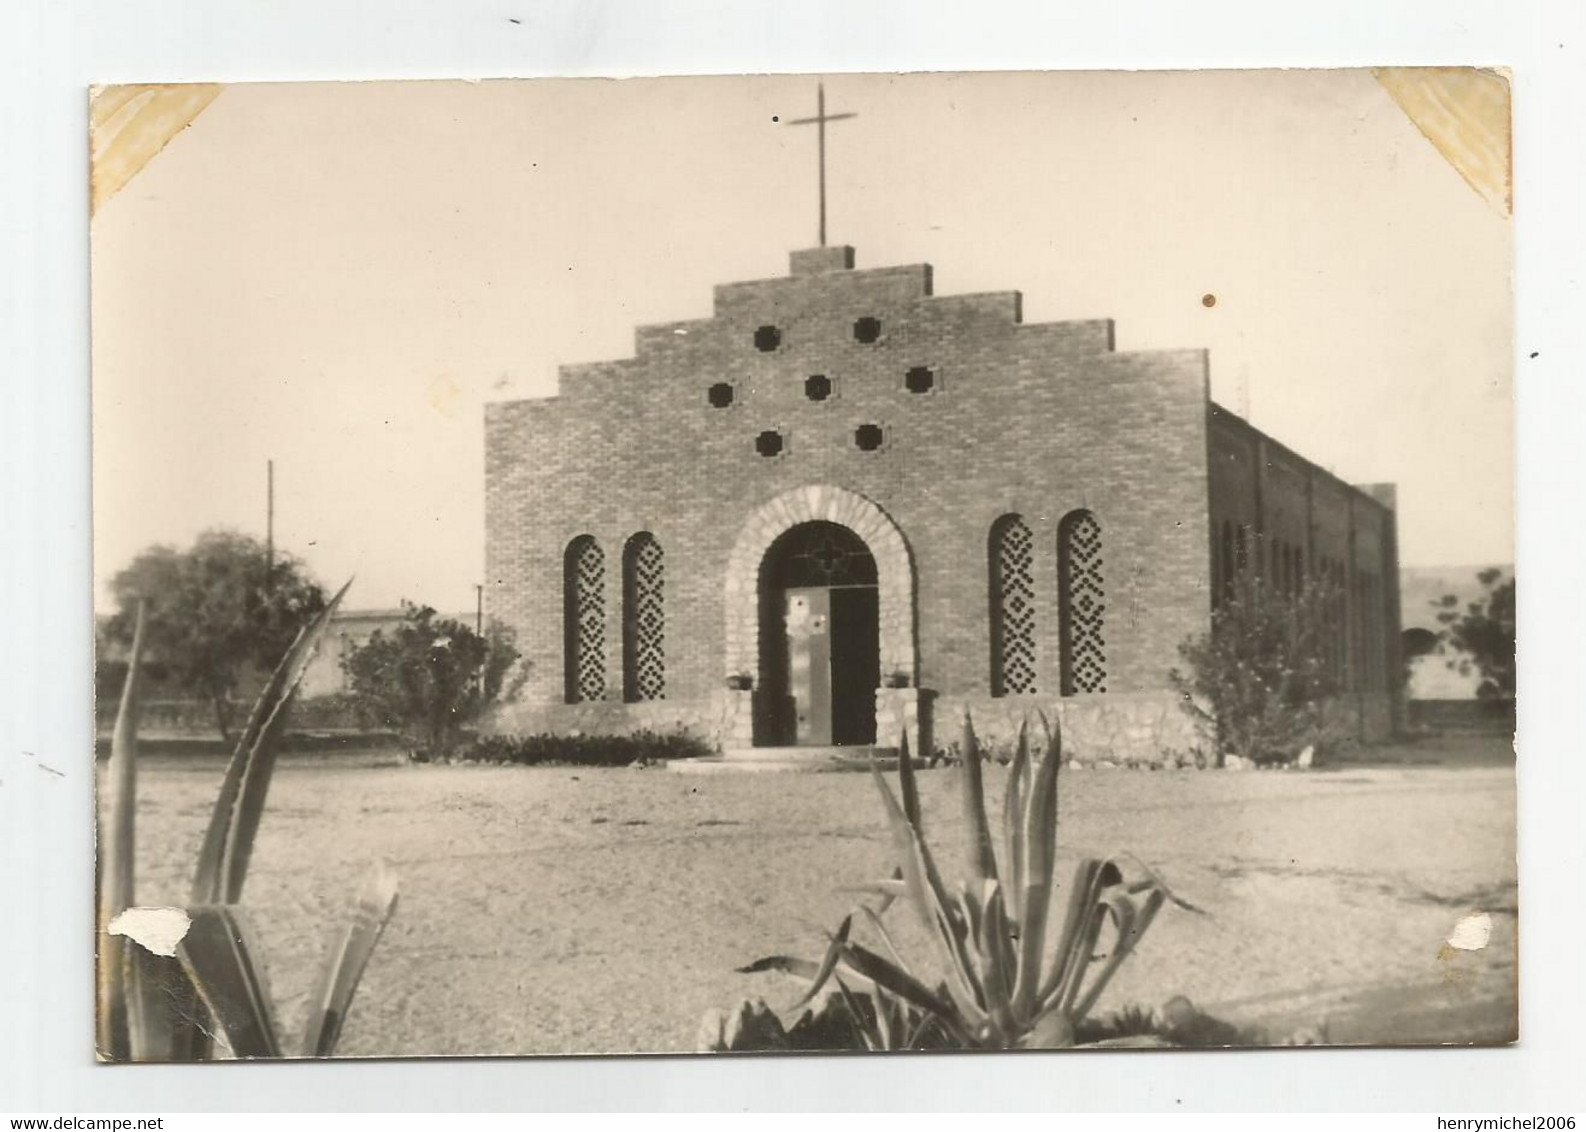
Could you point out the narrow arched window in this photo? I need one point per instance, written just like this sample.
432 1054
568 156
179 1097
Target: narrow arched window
1340 632
643 620
584 620
1081 603
1012 554
1227 580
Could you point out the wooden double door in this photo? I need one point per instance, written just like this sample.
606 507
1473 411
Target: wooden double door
820 653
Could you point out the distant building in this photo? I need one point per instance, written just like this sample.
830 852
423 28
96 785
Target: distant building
843 506
351 629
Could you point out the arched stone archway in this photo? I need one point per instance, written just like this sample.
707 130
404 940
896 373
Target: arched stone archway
821 502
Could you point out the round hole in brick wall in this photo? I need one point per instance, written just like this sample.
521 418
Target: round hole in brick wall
720 395
767 339
868 437
867 329
919 380
769 443
817 387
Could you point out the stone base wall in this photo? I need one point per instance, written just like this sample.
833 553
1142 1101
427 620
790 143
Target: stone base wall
712 719
1363 717
1145 730
910 713
1140 729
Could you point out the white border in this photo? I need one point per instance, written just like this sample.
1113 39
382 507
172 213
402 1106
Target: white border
50 50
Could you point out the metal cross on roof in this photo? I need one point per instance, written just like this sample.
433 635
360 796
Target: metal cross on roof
819 122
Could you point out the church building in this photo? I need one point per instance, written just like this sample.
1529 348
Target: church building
844 507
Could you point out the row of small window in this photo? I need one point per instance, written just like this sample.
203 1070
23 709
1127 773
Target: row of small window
867 438
768 339
643 620
1352 643
1081 606
819 387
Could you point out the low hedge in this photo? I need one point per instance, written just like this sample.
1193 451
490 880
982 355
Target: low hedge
583 750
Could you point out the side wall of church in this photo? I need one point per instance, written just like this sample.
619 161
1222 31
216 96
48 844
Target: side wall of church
1271 511
1038 420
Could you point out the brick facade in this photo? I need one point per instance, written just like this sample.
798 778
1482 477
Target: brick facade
1041 421
1282 508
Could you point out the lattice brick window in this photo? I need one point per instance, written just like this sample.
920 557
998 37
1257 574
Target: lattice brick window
644 620
1012 607
584 618
1082 604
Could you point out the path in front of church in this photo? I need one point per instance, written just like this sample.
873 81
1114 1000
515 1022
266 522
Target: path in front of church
552 910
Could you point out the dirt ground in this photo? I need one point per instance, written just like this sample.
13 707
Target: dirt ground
577 910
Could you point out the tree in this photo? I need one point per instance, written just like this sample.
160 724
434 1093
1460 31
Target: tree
431 677
215 612
1260 679
1483 635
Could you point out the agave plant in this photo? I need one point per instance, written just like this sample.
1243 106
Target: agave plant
1014 976
212 992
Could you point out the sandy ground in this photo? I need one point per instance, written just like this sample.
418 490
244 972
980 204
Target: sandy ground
579 910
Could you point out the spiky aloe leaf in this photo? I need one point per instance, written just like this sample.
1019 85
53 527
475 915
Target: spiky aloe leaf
886 939
1089 934
1013 824
160 996
872 967
345 963
982 861
219 959
1131 924
943 920
1153 879
1081 899
117 863
116 847
1114 905
874 1033
997 963
834 952
228 843
1040 858
787 964
908 785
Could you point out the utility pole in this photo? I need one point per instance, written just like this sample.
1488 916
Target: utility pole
479 609
269 523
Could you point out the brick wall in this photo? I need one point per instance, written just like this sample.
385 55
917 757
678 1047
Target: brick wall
1275 501
1039 420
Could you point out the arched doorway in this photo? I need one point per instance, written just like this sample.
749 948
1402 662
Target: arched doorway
819 636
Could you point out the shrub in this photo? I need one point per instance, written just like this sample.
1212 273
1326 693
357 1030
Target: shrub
214 614
1008 976
1483 635
431 677
1260 680
584 750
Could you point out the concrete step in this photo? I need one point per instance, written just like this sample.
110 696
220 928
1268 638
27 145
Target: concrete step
800 754
789 760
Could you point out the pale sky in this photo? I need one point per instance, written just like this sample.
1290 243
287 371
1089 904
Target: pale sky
338 276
